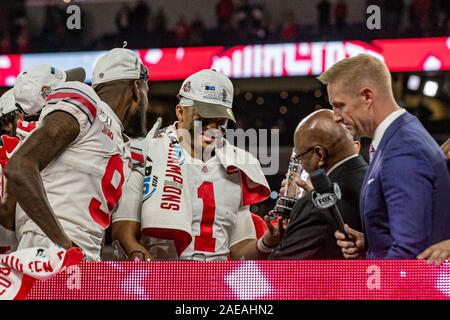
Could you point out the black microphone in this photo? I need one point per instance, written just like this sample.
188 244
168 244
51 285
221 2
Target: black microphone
326 195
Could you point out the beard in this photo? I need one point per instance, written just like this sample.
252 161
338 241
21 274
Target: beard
134 123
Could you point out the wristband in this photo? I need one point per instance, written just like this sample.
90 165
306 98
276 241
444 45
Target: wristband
262 247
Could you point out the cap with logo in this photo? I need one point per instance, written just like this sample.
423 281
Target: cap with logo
210 92
33 85
118 64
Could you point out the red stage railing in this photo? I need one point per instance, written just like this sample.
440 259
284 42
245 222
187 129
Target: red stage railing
268 280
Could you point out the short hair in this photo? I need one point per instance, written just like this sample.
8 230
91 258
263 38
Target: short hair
357 70
8 117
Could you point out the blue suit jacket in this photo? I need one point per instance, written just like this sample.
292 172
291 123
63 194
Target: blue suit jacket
405 197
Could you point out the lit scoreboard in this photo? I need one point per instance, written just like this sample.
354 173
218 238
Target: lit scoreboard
252 61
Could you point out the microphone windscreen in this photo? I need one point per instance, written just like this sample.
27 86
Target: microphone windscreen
320 181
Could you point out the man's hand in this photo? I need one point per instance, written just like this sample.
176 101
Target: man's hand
305 185
127 234
350 249
274 234
248 249
141 254
437 253
446 148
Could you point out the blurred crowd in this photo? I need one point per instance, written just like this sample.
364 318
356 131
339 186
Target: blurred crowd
245 21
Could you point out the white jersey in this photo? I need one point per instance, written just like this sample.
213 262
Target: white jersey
218 219
84 184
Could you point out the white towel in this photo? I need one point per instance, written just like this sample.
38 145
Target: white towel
166 209
254 184
20 269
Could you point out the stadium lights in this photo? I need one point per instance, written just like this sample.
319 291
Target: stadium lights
430 88
413 83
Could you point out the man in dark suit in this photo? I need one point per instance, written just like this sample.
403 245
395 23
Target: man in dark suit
405 201
319 142
439 252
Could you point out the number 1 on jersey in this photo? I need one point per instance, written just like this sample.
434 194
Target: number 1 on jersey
205 241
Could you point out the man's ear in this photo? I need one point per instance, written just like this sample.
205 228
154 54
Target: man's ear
135 90
357 146
322 155
179 112
367 95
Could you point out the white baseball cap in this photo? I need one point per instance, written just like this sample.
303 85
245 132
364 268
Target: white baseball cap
34 85
7 103
210 92
118 64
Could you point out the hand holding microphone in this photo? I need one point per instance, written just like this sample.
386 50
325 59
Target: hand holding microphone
325 196
353 248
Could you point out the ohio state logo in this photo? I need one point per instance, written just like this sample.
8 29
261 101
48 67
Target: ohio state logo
187 87
45 91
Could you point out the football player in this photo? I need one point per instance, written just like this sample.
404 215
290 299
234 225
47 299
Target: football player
220 198
68 175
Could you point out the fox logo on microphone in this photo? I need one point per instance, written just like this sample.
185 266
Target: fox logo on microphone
326 200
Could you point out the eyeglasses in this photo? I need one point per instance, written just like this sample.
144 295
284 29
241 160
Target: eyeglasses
144 73
298 159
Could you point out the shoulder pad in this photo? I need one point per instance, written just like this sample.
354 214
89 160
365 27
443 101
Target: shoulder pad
78 94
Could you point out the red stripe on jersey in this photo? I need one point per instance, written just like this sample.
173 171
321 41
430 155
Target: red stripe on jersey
26 126
137 157
74 96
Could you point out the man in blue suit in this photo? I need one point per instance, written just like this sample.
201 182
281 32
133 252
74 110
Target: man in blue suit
405 198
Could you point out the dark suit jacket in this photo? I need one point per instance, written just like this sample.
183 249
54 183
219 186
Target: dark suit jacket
405 199
310 232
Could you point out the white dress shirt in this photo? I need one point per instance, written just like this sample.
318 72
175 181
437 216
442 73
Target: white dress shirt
384 125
